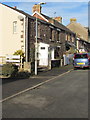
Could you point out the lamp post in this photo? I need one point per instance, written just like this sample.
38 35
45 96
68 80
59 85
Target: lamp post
36 46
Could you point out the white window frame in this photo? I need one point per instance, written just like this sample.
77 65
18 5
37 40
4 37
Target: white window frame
14 27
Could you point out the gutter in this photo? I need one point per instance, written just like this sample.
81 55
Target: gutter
26 40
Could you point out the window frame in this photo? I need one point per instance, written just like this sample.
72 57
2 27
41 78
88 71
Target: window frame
14 27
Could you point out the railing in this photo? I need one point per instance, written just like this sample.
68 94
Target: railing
16 59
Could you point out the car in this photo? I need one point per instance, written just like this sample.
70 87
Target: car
81 60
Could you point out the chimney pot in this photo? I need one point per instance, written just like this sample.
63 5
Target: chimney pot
59 19
73 20
15 7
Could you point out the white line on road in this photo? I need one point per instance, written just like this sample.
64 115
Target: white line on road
35 86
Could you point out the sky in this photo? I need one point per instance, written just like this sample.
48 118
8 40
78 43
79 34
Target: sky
65 8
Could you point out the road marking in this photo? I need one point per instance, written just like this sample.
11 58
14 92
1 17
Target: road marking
33 87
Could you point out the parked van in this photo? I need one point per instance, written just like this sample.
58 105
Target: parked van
81 60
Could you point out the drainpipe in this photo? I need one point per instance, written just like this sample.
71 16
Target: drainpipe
26 40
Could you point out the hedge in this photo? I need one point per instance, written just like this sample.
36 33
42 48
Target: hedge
9 69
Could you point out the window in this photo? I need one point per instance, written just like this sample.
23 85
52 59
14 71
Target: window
72 39
58 36
43 48
15 27
80 56
66 37
38 30
56 53
51 33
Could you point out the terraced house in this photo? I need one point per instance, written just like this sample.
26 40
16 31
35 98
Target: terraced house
19 34
83 41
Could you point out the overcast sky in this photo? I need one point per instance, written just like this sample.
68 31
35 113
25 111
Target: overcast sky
77 9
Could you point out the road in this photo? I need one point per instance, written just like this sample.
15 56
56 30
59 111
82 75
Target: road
63 97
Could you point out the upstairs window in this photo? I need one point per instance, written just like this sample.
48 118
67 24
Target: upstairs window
15 27
66 37
51 33
58 36
38 30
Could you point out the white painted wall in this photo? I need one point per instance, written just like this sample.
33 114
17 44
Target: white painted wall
66 60
10 42
43 54
52 54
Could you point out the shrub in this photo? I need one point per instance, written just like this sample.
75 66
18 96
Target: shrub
9 69
23 74
19 52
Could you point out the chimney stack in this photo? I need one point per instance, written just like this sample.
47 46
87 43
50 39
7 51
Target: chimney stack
15 7
37 8
59 19
73 20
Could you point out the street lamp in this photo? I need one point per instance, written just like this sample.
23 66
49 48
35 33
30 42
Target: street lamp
41 3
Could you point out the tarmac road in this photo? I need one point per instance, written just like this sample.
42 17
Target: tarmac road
64 97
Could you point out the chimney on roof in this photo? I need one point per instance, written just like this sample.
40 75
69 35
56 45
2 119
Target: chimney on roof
59 19
15 7
73 20
37 8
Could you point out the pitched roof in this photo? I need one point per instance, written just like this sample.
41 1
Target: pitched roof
47 17
24 13
20 11
57 24
79 30
43 18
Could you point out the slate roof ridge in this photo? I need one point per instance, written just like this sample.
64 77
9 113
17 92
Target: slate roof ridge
64 27
78 24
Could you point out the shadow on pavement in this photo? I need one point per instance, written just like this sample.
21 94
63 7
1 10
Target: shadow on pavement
8 80
52 72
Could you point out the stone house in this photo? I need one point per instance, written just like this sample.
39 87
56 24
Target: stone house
51 36
81 34
66 36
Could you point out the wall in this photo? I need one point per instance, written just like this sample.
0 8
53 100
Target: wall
11 42
44 36
80 31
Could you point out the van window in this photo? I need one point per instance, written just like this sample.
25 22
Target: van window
80 56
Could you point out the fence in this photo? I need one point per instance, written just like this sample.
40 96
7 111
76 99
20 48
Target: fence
15 59
2 60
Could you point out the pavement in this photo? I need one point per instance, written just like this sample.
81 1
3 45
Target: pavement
55 71
12 86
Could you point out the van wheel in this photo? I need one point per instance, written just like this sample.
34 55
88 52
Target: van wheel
75 68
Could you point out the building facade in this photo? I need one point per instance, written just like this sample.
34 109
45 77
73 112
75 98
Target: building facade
12 31
81 35
66 36
19 33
